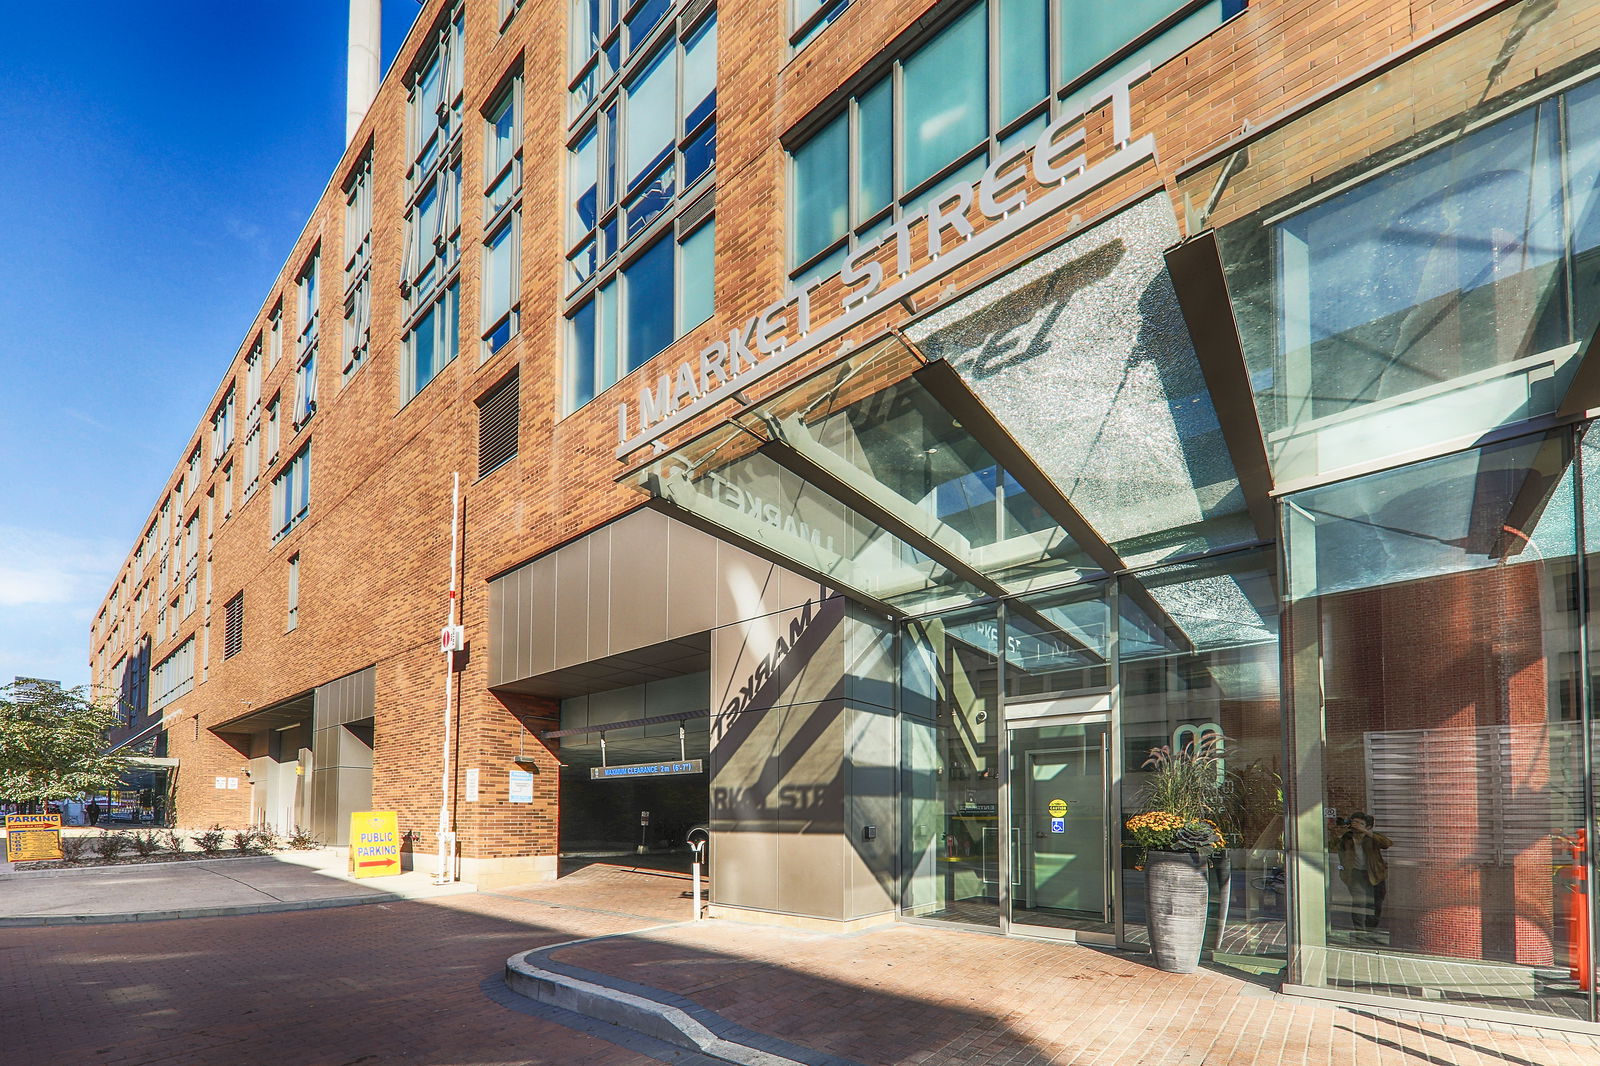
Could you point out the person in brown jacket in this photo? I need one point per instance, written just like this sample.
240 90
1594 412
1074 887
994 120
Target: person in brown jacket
1362 867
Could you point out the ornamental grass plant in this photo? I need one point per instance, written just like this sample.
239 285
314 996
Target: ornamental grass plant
1187 790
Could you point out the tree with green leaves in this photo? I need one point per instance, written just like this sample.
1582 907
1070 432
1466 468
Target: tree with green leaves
53 743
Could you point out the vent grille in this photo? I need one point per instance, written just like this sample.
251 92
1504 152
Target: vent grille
497 425
233 628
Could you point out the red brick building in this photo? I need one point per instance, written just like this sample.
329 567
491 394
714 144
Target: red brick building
880 422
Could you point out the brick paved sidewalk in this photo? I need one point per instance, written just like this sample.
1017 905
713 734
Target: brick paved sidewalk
909 994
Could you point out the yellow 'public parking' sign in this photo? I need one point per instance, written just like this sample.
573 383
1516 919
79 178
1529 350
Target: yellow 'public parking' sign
374 844
33 837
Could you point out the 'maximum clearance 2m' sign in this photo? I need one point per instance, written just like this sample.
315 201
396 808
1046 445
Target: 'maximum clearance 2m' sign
792 327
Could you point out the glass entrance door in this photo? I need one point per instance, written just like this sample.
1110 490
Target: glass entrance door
1058 785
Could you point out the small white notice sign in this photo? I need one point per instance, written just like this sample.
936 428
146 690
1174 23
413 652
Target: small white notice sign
222 782
472 785
233 784
521 786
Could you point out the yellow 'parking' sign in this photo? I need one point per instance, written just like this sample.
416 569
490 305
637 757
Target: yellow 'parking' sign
32 837
374 844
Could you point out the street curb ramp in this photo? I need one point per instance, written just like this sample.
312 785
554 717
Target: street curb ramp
672 1025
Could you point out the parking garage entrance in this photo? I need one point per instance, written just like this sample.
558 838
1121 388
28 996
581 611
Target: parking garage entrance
634 773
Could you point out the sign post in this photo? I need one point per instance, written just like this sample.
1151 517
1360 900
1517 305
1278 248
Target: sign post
374 844
33 837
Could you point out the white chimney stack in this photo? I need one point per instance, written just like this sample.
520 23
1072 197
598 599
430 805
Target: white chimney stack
365 68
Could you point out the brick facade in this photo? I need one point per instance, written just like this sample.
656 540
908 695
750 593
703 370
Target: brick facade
374 548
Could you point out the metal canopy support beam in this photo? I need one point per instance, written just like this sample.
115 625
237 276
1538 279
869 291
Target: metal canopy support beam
1196 270
944 383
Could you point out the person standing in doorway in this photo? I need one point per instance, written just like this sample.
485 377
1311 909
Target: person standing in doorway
1363 869
93 811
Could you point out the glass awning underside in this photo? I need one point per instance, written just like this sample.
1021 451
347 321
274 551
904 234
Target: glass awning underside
883 476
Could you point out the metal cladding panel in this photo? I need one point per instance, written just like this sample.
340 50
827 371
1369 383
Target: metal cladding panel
346 699
599 589
539 610
639 561
691 586
572 604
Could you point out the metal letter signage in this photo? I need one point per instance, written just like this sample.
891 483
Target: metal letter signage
785 330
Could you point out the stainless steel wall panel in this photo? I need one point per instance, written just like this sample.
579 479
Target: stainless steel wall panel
573 604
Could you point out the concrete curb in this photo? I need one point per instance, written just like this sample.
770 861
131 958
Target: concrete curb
35 920
660 1021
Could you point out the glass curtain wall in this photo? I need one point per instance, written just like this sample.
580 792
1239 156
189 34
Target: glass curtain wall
1434 637
950 766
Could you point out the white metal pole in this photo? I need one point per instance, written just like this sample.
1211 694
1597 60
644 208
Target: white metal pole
446 838
696 881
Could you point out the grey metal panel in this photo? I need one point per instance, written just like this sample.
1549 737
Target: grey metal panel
638 600
346 699
325 747
746 586
497 629
539 610
572 604
600 592
691 567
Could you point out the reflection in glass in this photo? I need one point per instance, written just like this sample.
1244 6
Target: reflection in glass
950 780
1437 605
1199 659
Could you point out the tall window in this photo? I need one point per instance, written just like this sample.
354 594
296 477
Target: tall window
293 619
252 380
194 468
252 459
227 490
222 428
191 564
305 377
642 152
358 267
173 676
233 627
502 212
939 115
275 336
272 430
291 493
807 18
429 277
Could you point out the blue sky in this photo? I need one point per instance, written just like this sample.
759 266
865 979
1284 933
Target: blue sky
157 161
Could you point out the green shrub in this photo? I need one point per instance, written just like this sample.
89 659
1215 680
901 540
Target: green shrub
210 842
110 845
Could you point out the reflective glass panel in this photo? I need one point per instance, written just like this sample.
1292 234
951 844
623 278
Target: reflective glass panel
1024 57
1438 728
648 300
821 181
695 277
950 773
946 96
874 149
651 123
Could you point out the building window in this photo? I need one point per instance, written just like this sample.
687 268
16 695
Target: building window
233 627
173 676
305 377
194 468
272 430
294 593
222 428
431 262
642 151
191 564
275 336
940 114
227 490
502 212
252 380
291 493
358 267
508 10
497 425
807 18
252 460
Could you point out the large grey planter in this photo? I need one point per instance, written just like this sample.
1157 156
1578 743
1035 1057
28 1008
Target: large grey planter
1176 892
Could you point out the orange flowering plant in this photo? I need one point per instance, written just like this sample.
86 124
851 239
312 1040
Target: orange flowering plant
1185 788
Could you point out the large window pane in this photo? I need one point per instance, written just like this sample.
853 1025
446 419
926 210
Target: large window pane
821 189
946 97
581 351
647 291
694 272
700 76
874 149
1434 702
1024 56
651 122
1092 31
